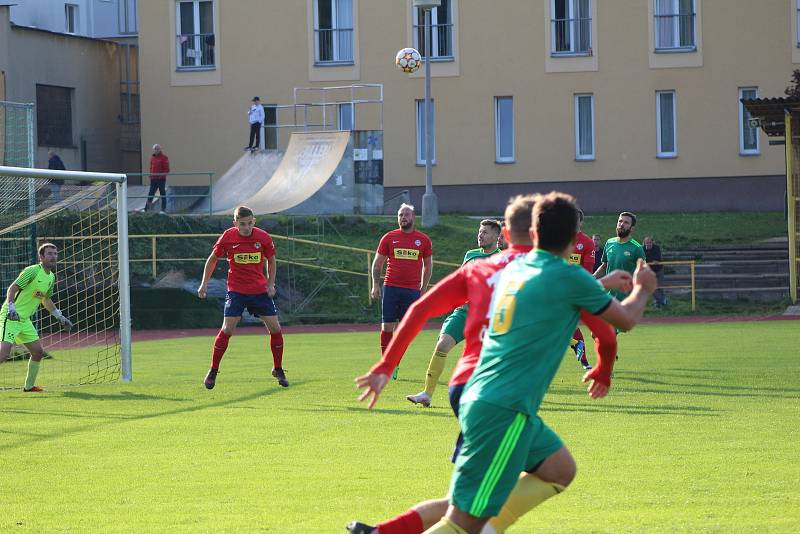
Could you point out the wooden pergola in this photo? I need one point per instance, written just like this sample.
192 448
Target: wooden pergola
780 120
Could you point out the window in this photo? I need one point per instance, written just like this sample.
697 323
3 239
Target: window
584 127
674 25
126 16
571 30
71 18
421 132
504 129
195 38
54 116
441 31
333 31
347 116
748 136
665 124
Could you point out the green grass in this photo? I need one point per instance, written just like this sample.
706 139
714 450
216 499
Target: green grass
699 435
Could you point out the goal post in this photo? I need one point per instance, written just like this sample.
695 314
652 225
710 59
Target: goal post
85 214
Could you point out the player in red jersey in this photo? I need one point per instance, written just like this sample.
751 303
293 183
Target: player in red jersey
584 255
408 255
474 283
249 250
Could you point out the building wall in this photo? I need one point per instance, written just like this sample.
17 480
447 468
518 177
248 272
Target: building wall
88 66
501 49
96 18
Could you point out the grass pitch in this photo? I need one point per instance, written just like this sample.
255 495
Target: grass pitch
700 434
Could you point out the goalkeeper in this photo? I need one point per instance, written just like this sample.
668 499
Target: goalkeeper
33 286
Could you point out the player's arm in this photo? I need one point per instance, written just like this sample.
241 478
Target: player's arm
11 296
375 273
208 270
50 306
601 271
427 271
624 315
272 272
605 340
445 296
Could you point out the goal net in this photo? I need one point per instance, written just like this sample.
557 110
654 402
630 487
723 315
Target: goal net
85 216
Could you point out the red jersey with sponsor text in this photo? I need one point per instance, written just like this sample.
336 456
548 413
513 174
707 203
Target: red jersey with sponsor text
405 252
246 256
584 252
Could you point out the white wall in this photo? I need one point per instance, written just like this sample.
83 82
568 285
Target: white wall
96 18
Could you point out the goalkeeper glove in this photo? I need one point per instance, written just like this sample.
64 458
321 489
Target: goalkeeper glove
66 323
12 312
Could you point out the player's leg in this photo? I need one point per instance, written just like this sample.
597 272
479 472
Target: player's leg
390 315
451 334
406 298
266 310
578 344
8 333
34 363
5 350
232 314
413 521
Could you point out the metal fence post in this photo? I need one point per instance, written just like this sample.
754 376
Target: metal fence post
694 292
153 254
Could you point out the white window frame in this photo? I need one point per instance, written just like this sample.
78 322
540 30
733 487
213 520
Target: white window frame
797 25
660 153
416 23
573 36
198 60
71 14
420 116
676 37
578 155
127 14
743 118
336 52
498 157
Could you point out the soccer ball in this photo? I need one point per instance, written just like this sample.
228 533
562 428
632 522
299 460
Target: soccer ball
408 60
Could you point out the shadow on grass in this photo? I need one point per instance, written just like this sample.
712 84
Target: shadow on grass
694 411
722 389
23 442
425 412
122 395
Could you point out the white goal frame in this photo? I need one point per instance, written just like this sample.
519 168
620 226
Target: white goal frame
121 182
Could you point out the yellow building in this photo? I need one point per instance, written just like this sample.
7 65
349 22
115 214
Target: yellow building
629 104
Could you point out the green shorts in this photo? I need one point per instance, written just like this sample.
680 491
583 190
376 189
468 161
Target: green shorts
499 444
454 324
17 331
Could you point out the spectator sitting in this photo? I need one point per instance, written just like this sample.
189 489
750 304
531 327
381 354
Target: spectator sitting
598 250
653 254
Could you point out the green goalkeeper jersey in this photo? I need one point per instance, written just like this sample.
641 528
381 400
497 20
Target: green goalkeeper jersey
622 256
35 284
534 312
476 254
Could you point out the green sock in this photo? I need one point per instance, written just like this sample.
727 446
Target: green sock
33 370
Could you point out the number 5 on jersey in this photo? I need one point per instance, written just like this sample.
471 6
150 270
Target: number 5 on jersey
503 314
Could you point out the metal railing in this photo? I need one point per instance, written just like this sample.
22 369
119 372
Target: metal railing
572 36
181 201
441 36
195 51
674 32
334 45
692 287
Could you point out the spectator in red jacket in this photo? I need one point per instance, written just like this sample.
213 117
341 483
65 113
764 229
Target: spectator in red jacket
159 168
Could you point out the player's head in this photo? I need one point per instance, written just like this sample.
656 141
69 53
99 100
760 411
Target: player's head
156 149
518 219
502 242
625 224
244 220
488 233
580 219
597 240
555 222
405 217
48 255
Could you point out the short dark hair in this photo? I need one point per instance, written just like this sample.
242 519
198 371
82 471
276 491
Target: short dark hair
518 216
580 215
493 224
241 212
631 215
555 219
44 246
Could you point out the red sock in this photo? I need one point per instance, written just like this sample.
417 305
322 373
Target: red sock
220 346
406 523
578 334
276 345
386 337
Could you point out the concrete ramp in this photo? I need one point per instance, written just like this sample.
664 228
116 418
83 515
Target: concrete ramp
310 160
243 180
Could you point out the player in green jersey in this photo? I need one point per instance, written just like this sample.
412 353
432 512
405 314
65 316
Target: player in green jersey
536 307
621 252
33 286
452 332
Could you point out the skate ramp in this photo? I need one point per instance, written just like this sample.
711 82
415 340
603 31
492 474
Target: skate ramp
310 160
243 180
